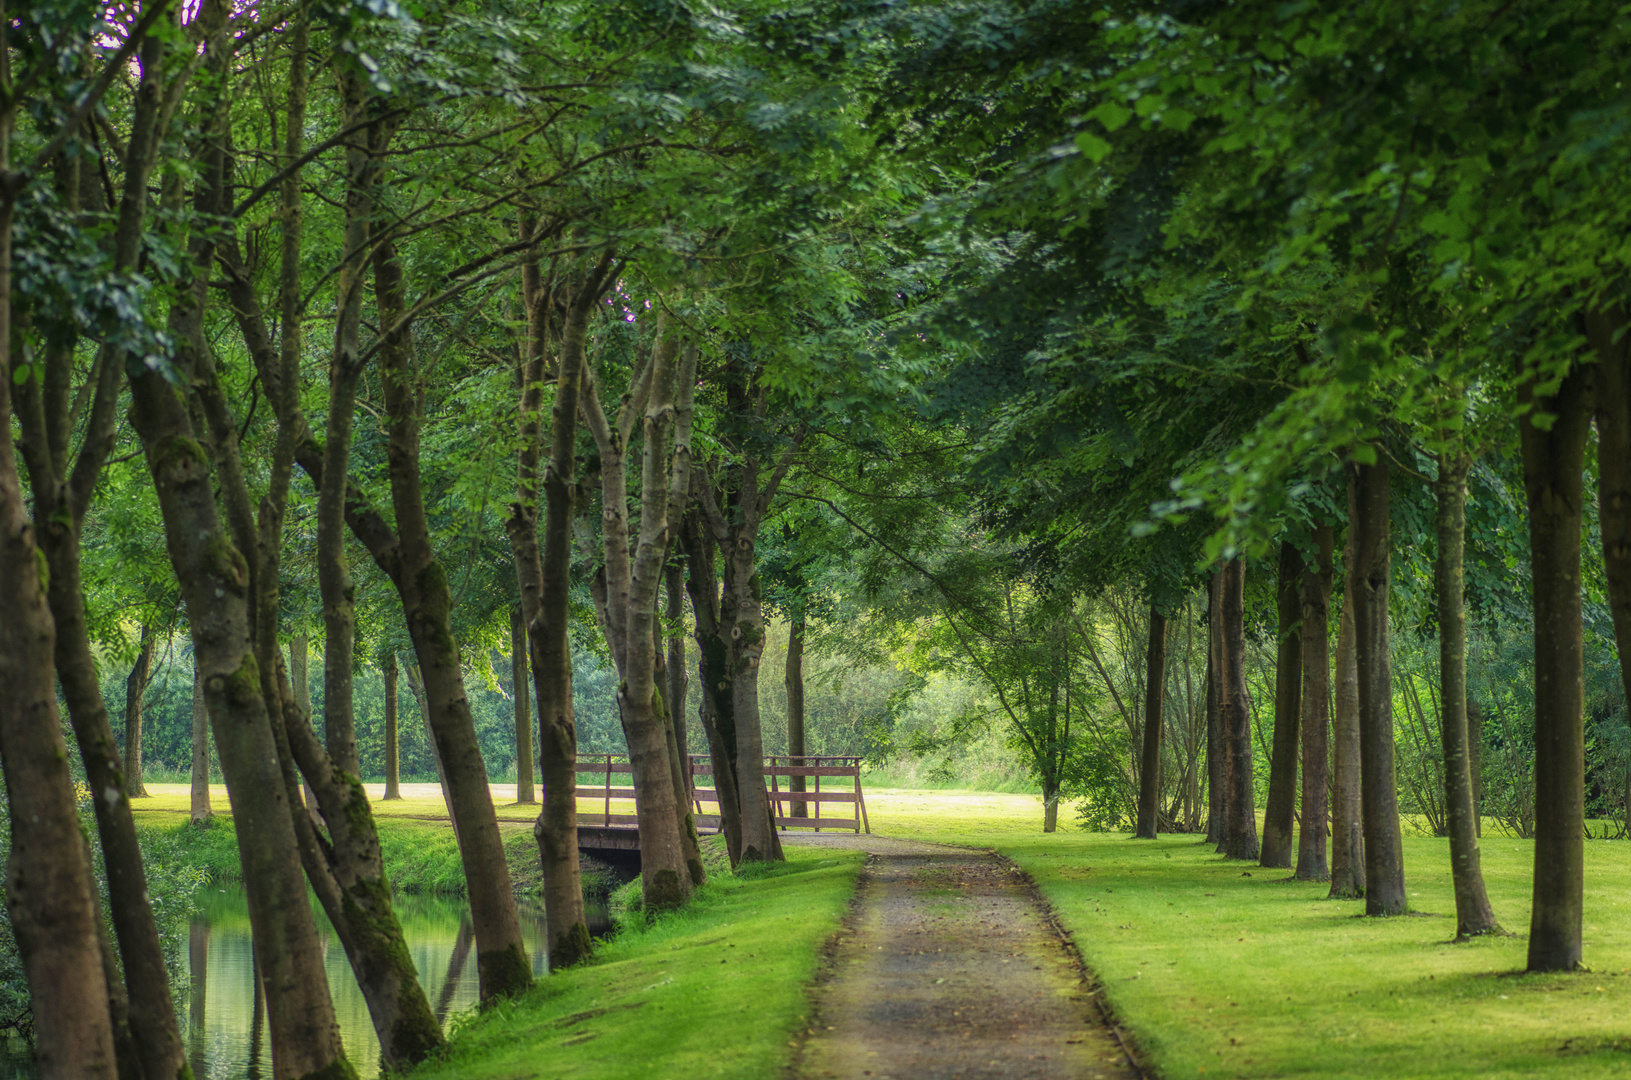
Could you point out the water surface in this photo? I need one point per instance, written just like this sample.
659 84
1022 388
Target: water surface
223 1018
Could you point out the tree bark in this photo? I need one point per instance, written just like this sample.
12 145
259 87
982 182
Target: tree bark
795 707
1553 463
48 887
519 678
1347 828
201 813
1278 815
556 829
300 679
626 590
1149 773
713 670
679 679
1217 769
1237 721
393 749
135 690
1473 915
1315 605
215 582
1372 571
678 767
501 953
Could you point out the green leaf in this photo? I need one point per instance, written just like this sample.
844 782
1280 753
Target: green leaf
1112 114
1092 147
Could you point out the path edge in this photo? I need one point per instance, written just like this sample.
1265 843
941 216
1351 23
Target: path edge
1137 1057
826 968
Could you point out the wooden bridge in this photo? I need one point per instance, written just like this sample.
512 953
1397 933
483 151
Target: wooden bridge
603 778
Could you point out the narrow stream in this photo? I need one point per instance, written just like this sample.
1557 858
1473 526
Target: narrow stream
223 1018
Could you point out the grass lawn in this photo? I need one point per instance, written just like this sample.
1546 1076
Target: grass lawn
1218 968
1218 973
715 990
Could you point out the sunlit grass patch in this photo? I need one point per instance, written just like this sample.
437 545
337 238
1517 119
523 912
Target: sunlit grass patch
715 990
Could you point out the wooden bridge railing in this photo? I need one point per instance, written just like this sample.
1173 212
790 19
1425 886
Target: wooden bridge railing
791 809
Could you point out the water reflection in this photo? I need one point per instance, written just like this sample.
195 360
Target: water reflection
223 1018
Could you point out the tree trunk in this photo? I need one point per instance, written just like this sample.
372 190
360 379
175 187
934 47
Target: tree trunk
1050 807
215 582
142 1013
1217 773
1473 915
1347 829
1279 818
523 708
348 875
501 953
1316 710
747 628
48 888
678 767
1553 462
556 829
300 680
393 748
1149 774
795 708
201 811
1372 571
1241 811
1475 735
626 592
679 680
135 689
713 670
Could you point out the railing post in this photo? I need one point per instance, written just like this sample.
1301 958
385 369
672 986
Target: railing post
608 810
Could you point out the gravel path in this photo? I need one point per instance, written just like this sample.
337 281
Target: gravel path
950 967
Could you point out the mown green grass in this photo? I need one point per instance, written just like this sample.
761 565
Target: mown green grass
1217 973
714 990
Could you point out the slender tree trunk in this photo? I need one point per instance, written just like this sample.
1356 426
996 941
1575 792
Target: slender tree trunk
1473 915
48 888
1372 571
795 707
393 748
1316 710
201 811
1217 770
300 681
745 614
1237 720
1553 464
501 953
626 594
679 680
1149 774
1278 816
556 829
214 580
135 689
1347 828
1475 734
713 669
1050 806
523 708
678 767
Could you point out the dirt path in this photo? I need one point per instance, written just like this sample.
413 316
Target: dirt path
951 968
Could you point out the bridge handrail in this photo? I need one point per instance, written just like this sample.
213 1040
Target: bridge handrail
798 803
